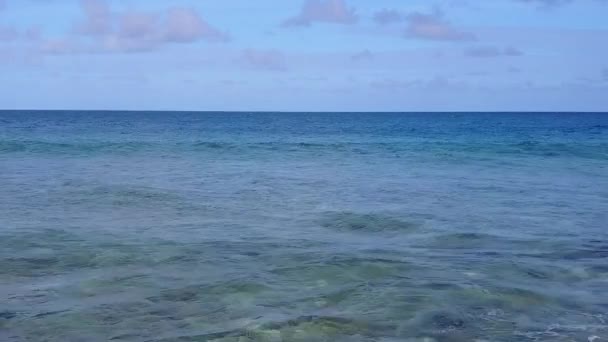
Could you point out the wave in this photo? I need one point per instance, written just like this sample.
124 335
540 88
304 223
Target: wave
468 240
432 148
71 148
30 146
592 249
556 149
74 193
367 223
305 328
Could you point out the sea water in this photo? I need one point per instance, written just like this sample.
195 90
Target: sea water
169 226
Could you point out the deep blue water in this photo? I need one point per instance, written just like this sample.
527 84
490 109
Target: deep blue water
167 226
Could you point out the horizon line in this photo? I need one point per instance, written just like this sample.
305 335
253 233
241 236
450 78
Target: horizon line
306 112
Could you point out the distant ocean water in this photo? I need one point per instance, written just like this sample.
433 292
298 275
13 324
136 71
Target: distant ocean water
168 226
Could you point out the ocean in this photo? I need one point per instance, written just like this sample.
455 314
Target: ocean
183 226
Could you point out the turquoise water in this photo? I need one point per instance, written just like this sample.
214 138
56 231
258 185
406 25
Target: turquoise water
303 227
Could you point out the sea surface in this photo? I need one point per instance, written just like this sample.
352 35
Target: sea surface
172 226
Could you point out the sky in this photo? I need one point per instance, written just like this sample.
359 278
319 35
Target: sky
304 55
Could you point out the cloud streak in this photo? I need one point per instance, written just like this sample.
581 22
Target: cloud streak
185 25
98 19
435 83
492 52
548 4
388 16
434 27
323 11
136 31
12 33
426 26
362 56
267 60
8 33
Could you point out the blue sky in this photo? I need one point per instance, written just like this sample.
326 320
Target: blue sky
305 55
